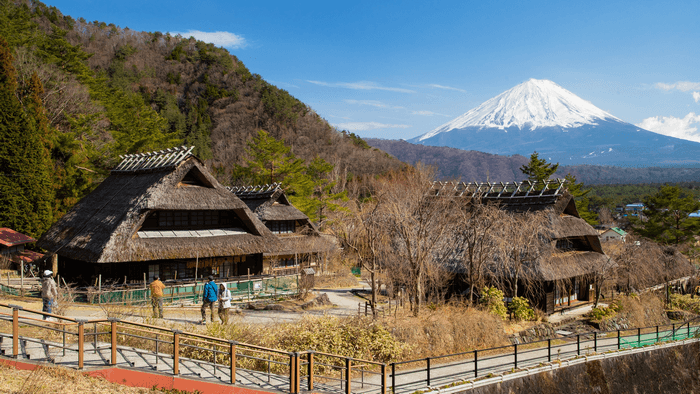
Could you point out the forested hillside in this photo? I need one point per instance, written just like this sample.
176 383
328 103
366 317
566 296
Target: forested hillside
89 91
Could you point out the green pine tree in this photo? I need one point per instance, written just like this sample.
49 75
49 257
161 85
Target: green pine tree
581 200
666 217
26 191
538 170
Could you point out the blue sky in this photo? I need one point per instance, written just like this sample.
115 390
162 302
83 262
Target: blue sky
399 69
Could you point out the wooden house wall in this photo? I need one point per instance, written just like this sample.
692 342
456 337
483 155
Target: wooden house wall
84 273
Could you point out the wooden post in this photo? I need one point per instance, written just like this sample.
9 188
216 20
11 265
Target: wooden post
249 284
54 264
15 330
311 370
293 373
21 279
196 268
176 352
113 332
145 284
99 289
232 354
348 375
81 343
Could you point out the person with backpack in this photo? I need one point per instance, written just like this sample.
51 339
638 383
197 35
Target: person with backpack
208 299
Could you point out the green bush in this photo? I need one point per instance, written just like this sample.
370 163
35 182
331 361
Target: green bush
492 300
603 312
521 310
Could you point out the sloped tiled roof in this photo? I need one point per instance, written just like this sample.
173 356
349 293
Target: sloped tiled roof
9 238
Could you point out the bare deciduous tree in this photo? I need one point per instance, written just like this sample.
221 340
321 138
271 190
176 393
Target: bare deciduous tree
523 237
475 241
418 226
362 232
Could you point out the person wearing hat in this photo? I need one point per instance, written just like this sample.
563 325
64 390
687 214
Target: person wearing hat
49 292
157 297
224 303
208 299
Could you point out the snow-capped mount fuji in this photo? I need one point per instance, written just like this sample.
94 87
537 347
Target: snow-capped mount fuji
539 115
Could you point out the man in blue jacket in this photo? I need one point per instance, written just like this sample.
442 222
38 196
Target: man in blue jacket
208 299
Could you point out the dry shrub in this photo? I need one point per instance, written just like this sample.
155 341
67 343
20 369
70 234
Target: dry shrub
346 336
643 311
449 329
686 303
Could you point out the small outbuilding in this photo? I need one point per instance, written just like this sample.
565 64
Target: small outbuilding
12 246
301 244
613 234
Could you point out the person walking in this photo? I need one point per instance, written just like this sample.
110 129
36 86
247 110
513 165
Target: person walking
208 299
224 303
49 292
157 298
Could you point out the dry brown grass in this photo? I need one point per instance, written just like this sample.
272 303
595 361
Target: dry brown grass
58 380
336 281
644 311
448 329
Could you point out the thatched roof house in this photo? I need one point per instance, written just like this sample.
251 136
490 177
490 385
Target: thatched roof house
565 271
155 208
300 241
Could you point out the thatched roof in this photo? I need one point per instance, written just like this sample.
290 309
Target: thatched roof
564 265
103 226
514 196
269 202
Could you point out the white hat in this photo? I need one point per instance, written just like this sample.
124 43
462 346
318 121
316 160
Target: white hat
48 273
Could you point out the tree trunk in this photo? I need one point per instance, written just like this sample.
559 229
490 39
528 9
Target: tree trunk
418 291
373 279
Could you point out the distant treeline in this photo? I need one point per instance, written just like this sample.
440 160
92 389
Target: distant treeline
470 166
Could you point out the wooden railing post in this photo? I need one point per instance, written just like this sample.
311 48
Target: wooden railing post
15 330
383 379
476 364
232 353
393 377
348 375
176 352
311 370
113 334
515 356
294 379
81 343
549 350
619 344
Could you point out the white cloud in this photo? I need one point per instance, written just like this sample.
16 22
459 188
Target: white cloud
361 85
434 85
363 126
684 128
373 103
683 86
218 38
696 96
428 113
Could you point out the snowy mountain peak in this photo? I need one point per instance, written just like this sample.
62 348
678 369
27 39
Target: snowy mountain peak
532 104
